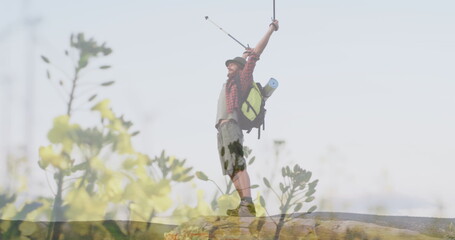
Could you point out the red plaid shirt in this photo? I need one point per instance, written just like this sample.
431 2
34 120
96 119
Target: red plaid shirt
245 79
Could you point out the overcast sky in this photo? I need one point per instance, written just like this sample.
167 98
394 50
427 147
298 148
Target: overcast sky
366 96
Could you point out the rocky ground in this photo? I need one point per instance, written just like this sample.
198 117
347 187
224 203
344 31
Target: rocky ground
316 226
426 225
330 226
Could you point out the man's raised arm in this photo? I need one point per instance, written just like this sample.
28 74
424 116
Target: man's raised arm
260 46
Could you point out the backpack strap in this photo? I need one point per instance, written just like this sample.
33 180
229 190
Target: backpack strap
263 122
250 107
263 125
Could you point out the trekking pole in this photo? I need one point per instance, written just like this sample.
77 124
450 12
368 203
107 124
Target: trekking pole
207 18
273 9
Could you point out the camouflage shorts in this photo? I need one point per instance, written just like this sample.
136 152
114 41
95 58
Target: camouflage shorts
230 148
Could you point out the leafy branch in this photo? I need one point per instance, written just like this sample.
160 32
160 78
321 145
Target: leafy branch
296 189
88 50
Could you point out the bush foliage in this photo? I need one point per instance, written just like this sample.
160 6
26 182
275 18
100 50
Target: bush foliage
98 175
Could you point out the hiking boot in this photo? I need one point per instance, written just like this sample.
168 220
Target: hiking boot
233 212
245 209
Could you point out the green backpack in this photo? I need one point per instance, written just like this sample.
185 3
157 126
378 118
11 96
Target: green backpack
251 109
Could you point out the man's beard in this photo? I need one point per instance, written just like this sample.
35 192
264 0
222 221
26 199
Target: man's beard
232 74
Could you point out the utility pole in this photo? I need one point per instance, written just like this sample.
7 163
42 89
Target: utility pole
16 160
5 151
6 100
30 24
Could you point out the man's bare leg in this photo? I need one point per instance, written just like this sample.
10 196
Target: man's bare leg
241 182
246 207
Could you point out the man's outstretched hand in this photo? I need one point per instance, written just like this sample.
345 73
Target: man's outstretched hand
275 24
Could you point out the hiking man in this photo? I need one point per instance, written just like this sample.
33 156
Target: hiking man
230 136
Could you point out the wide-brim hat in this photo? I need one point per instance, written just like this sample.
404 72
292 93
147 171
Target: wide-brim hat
239 60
